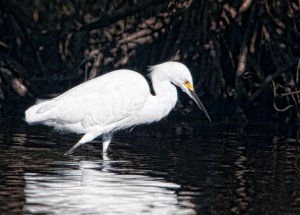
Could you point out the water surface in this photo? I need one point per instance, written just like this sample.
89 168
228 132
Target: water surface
164 168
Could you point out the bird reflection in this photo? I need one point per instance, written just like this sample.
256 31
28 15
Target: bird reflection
97 187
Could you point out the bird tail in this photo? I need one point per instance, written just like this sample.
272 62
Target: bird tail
38 112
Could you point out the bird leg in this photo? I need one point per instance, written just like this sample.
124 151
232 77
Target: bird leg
71 150
106 139
86 138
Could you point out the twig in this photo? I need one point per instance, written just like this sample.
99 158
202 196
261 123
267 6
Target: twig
290 93
116 16
15 83
244 48
274 103
271 77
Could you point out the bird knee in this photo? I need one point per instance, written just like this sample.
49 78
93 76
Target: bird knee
87 137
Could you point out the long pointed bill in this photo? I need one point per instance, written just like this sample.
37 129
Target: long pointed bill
194 96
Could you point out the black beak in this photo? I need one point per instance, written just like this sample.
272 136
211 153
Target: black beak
199 103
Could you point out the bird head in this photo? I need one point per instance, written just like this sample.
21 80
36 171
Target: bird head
180 76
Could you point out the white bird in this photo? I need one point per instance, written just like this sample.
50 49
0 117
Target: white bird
116 100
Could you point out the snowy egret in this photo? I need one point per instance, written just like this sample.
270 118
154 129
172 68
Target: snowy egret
116 100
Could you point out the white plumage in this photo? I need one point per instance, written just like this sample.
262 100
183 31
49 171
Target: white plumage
114 101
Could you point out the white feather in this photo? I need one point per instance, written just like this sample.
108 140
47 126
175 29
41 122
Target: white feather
116 100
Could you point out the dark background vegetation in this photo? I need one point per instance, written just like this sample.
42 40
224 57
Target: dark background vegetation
244 55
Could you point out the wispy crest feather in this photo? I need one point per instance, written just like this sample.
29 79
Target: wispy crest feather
151 70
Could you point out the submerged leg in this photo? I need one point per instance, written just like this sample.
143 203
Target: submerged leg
86 138
106 139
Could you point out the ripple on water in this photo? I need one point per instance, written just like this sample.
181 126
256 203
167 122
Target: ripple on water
169 169
92 188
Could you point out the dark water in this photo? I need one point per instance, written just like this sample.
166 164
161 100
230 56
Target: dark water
166 168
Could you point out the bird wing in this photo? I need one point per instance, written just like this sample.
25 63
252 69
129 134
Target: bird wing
102 101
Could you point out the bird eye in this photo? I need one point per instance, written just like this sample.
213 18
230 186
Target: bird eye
189 85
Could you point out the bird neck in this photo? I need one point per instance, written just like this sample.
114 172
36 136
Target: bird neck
160 104
165 98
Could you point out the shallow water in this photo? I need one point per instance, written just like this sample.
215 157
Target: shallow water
164 168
